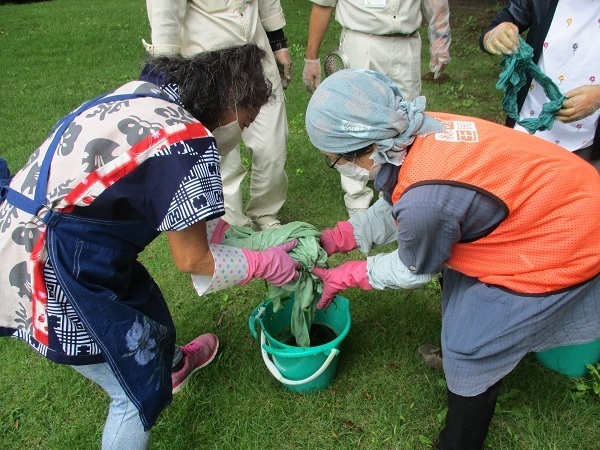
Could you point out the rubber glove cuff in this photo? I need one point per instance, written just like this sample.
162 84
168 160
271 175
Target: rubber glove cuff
339 239
219 232
348 275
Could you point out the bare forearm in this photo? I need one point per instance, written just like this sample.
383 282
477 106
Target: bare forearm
190 251
317 28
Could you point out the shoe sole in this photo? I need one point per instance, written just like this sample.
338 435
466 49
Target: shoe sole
187 379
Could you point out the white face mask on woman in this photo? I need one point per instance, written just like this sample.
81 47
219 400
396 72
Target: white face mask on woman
228 136
358 173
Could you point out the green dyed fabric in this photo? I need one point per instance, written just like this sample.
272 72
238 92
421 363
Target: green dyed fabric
307 287
514 76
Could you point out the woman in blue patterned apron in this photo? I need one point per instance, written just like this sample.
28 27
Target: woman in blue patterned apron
111 177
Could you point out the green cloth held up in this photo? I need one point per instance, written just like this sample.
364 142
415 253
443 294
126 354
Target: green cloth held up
514 76
307 287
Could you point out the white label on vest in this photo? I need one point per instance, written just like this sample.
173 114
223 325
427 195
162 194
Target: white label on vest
457 131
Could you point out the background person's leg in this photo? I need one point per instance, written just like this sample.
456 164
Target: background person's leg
232 174
398 57
404 54
123 428
266 142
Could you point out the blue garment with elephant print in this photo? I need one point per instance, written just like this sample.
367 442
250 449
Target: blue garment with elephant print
144 160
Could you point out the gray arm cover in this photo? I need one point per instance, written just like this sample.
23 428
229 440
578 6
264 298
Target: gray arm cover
386 271
374 227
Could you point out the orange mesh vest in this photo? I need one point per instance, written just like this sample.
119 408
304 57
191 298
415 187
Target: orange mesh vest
550 239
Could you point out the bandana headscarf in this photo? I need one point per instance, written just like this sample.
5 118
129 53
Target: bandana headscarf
354 108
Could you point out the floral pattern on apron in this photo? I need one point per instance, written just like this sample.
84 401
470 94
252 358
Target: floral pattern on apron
91 264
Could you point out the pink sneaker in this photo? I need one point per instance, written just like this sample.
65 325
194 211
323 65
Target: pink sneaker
197 354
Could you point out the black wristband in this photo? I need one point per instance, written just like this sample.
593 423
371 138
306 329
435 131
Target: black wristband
277 39
276 35
278 45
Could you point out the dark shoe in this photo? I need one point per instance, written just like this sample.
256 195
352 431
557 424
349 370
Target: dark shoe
432 356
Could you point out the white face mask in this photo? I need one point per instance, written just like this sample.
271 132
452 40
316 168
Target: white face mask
353 171
227 136
358 173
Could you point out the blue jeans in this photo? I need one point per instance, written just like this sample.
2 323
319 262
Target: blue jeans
123 428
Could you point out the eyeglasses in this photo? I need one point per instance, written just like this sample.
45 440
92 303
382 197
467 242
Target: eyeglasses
331 163
351 156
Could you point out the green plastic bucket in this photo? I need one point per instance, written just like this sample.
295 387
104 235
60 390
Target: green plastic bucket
300 369
570 360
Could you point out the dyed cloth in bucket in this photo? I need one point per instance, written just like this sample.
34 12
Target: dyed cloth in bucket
514 76
307 287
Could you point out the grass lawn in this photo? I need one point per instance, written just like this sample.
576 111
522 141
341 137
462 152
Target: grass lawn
56 54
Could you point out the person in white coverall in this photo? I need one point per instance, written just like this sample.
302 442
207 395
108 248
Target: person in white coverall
192 26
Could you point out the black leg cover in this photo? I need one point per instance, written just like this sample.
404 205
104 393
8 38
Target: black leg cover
468 420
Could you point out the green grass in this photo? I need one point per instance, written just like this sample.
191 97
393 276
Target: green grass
56 54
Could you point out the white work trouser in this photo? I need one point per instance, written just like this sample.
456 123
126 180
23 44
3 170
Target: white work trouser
265 140
399 58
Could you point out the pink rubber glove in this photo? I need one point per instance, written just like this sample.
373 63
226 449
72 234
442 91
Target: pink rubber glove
339 239
273 264
348 275
219 232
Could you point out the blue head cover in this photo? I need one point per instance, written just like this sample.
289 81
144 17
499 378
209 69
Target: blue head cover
354 108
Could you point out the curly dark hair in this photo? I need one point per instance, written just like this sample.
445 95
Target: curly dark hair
215 82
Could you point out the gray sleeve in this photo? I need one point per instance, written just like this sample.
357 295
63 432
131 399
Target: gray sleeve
386 271
433 218
374 227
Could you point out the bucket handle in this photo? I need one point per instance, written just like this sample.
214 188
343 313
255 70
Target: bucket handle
277 374
254 317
